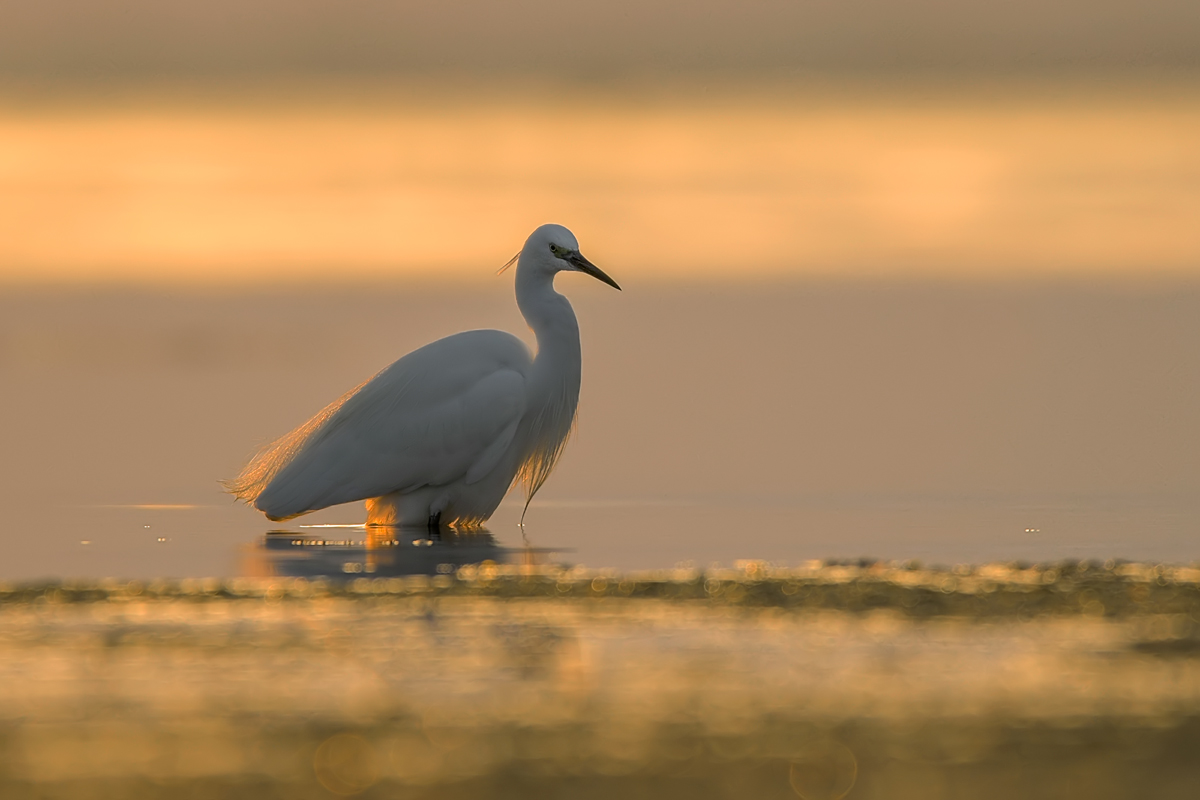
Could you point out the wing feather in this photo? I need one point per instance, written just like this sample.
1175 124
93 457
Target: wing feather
490 457
445 412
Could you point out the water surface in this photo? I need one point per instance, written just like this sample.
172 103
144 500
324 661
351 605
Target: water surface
940 421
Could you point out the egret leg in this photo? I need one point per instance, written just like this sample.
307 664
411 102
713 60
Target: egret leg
435 526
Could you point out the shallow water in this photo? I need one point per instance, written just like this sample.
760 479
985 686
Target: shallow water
944 422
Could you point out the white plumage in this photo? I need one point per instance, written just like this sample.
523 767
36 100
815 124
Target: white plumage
439 437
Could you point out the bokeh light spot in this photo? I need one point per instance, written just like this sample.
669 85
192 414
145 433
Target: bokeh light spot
345 765
823 770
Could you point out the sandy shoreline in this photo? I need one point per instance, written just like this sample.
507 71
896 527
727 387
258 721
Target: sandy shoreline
1022 590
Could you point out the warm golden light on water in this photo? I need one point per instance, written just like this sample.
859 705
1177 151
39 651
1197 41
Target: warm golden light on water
867 681
860 184
823 770
345 765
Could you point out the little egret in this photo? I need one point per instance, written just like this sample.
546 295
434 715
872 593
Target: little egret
438 438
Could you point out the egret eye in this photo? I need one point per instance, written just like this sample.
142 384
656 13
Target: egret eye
554 249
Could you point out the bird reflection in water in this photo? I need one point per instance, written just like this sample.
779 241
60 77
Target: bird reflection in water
360 551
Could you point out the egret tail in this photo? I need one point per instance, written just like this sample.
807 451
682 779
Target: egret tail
272 458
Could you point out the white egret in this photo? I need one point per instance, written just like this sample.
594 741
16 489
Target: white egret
440 436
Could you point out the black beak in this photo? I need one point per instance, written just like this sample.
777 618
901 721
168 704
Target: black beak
588 268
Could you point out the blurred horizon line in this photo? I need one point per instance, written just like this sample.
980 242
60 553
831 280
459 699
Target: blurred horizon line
477 281
1149 84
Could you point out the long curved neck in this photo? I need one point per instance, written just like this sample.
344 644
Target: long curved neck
553 322
553 388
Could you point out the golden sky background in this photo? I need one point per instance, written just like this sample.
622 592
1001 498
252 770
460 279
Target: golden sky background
701 187
264 141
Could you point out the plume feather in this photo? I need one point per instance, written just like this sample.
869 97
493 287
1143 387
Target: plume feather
273 457
549 433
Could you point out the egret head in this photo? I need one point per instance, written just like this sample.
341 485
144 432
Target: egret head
553 248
